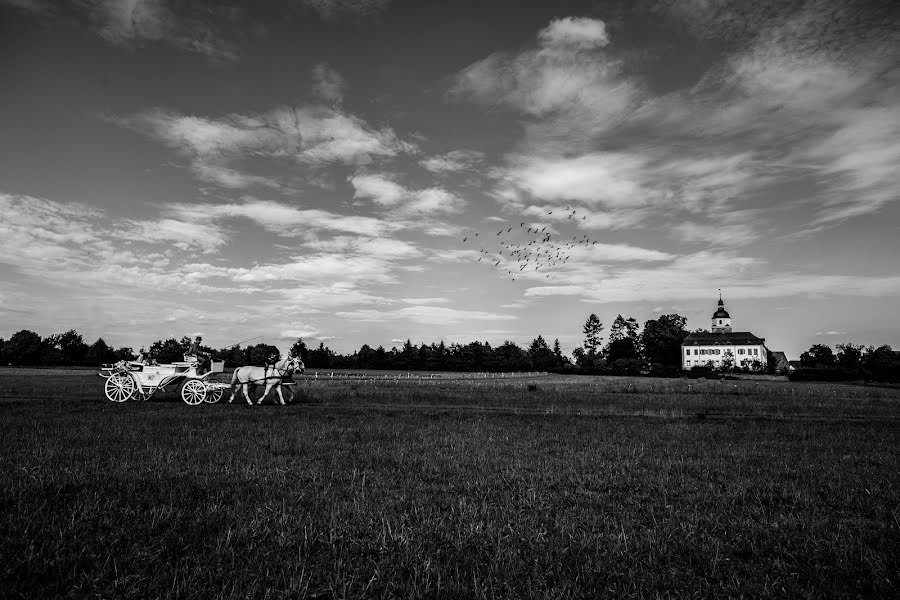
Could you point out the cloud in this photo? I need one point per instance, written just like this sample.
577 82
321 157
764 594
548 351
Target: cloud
582 33
403 202
333 10
451 162
565 77
328 84
607 178
426 300
694 275
716 235
425 315
280 218
181 234
313 136
131 23
377 247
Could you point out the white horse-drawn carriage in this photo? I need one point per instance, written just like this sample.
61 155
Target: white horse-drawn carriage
127 380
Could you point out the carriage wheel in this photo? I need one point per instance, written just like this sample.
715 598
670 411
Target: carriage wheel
120 387
213 395
193 392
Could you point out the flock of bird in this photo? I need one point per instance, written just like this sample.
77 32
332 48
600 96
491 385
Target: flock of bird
532 249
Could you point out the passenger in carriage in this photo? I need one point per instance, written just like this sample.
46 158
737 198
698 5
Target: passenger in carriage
197 354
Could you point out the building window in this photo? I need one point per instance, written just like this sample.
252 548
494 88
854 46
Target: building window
687 362
756 352
740 351
687 352
695 352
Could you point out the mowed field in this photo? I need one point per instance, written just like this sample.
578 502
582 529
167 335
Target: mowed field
452 487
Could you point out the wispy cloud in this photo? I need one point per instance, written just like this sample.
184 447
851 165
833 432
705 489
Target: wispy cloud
425 315
280 218
454 161
313 136
328 84
401 201
333 10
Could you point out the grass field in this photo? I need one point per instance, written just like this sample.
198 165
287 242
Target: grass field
511 487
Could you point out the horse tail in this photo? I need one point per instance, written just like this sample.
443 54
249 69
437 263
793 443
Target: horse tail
234 377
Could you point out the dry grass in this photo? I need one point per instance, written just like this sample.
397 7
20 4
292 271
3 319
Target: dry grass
545 487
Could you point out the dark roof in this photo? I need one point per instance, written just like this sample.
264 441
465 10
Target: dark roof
713 339
779 356
721 313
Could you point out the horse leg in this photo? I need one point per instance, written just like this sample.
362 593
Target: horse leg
278 389
246 395
266 393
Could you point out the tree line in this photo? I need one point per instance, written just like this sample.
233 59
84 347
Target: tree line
851 362
656 349
629 349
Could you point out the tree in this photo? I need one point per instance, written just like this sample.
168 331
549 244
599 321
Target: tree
623 328
261 354
819 356
166 351
72 346
299 349
578 354
592 330
621 349
540 355
100 353
23 348
849 357
661 340
883 364
728 361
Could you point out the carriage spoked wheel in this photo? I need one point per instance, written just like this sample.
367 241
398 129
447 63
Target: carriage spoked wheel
120 387
213 395
193 392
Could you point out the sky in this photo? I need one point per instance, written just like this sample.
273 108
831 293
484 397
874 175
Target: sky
311 168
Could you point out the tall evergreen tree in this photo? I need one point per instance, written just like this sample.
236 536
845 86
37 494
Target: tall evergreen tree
592 330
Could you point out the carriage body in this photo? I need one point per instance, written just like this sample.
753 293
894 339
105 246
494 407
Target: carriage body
132 380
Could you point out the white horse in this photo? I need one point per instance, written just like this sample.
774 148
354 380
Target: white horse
272 376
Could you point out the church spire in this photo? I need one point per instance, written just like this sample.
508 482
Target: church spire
721 320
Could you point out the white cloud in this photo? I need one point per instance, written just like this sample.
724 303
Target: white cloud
607 178
565 75
457 160
425 315
694 275
281 218
309 135
181 234
426 300
582 33
378 188
403 202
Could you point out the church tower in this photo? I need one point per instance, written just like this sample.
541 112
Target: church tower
721 321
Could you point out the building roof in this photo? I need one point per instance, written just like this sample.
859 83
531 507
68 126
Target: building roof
779 356
721 313
706 338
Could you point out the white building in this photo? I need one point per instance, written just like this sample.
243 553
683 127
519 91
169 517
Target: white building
711 348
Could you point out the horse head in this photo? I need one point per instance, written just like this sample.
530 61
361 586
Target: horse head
295 363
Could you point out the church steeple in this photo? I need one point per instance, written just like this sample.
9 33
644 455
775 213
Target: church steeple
721 320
